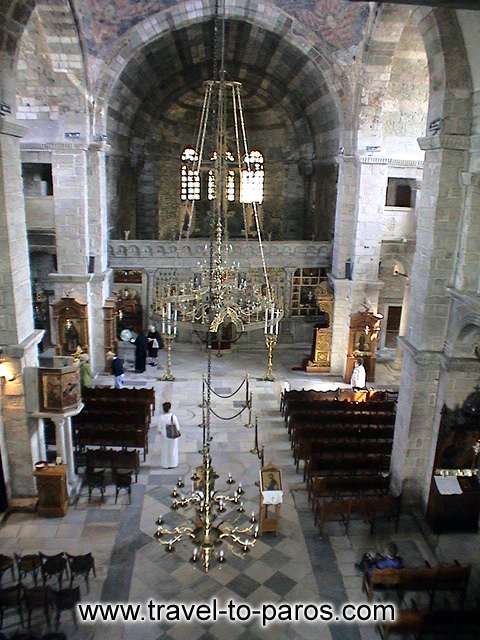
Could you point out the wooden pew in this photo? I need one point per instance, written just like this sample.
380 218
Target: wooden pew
370 509
452 578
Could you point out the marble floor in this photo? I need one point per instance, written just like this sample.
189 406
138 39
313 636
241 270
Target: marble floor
297 565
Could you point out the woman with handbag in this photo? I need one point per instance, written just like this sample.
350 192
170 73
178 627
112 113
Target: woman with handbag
169 431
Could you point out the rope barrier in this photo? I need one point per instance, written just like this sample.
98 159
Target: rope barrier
229 395
232 417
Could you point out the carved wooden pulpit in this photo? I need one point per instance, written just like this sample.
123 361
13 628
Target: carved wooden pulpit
362 342
322 334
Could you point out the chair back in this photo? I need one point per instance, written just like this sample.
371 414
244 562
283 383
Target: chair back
11 596
66 598
36 596
29 562
80 564
53 564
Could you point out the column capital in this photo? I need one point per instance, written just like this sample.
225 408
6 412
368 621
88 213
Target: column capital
451 141
19 350
99 146
422 357
11 128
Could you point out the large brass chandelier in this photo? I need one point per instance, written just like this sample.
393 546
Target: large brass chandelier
220 291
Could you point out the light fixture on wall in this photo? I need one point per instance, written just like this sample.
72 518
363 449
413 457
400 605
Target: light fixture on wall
6 372
397 272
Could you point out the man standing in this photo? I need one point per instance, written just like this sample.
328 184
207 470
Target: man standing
118 372
359 375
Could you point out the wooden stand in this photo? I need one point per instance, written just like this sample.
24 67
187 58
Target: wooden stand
362 343
455 456
269 514
447 513
52 491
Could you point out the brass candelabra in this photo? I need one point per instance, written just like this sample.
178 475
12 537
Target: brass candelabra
270 342
168 375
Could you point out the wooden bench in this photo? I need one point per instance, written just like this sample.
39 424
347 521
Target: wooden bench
451 578
370 509
444 623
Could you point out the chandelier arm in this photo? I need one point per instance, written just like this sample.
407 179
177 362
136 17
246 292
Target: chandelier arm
254 204
239 156
199 150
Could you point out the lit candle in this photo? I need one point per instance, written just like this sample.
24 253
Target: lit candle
221 556
266 315
255 533
252 517
195 554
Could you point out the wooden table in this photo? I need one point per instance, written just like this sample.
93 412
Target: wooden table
52 491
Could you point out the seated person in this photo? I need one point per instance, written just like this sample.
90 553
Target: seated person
389 559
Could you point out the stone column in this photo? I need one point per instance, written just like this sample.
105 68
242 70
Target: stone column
18 338
60 446
72 476
80 230
358 238
64 446
423 383
100 286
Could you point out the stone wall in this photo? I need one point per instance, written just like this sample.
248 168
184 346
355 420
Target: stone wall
51 87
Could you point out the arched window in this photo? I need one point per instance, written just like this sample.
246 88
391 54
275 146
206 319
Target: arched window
251 184
190 177
230 180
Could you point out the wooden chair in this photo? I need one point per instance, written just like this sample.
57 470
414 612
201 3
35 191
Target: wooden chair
95 480
11 598
382 507
66 600
55 565
123 480
38 598
6 563
338 510
28 564
81 566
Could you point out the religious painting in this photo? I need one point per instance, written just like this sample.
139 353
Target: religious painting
59 389
72 327
271 479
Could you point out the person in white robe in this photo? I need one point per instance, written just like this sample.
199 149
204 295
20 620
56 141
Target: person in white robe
359 375
168 446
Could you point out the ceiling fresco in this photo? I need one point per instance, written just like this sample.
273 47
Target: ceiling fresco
336 24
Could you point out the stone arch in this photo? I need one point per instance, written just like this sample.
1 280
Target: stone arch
16 15
265 16
468 339
449 73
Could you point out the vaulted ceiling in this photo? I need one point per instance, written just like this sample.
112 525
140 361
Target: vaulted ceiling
166 80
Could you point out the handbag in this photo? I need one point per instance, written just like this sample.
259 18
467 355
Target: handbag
172 430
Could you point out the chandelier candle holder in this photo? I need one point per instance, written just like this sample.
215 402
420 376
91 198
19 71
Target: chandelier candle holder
272 320
169 332
207 533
